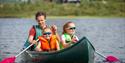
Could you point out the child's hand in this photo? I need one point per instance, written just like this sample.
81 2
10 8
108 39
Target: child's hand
54 28
74 40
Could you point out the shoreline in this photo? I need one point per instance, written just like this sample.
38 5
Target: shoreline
81 17
66 17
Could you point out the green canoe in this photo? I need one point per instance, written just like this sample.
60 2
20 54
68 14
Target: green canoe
80 52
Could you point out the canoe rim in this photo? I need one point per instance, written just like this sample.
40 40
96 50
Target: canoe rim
66 49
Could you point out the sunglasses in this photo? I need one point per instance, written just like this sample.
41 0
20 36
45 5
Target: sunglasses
72 28
47 33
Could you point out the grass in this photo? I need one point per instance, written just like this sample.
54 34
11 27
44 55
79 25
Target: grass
86 9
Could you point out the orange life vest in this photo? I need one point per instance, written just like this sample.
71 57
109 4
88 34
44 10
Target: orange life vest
48 45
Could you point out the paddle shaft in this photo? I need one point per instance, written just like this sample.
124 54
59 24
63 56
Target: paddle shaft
100 54
25 49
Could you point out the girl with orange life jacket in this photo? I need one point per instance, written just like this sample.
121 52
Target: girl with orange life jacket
48 41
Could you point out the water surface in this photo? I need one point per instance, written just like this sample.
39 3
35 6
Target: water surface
106 34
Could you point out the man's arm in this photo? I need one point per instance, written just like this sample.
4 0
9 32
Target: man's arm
32 34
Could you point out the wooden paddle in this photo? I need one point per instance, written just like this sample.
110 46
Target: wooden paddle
12 59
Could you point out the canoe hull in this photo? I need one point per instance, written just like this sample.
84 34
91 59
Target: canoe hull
81 52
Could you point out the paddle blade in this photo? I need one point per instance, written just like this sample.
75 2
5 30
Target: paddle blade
8 60
112 59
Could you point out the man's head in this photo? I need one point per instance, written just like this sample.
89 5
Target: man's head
41 18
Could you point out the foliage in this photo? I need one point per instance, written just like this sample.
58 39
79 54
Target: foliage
85 8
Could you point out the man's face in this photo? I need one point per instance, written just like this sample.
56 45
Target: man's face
41 20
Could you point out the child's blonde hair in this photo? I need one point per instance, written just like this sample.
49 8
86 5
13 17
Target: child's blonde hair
65 26
47 28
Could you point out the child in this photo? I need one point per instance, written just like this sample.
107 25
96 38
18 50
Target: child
47 42
68 37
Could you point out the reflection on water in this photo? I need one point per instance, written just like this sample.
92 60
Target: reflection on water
107 35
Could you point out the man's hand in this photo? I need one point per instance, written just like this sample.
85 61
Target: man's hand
34 42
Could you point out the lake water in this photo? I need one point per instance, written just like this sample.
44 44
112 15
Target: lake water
106 34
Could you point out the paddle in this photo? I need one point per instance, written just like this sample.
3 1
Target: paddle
12 59
108 58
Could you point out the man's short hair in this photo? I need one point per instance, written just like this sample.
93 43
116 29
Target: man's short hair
40 13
